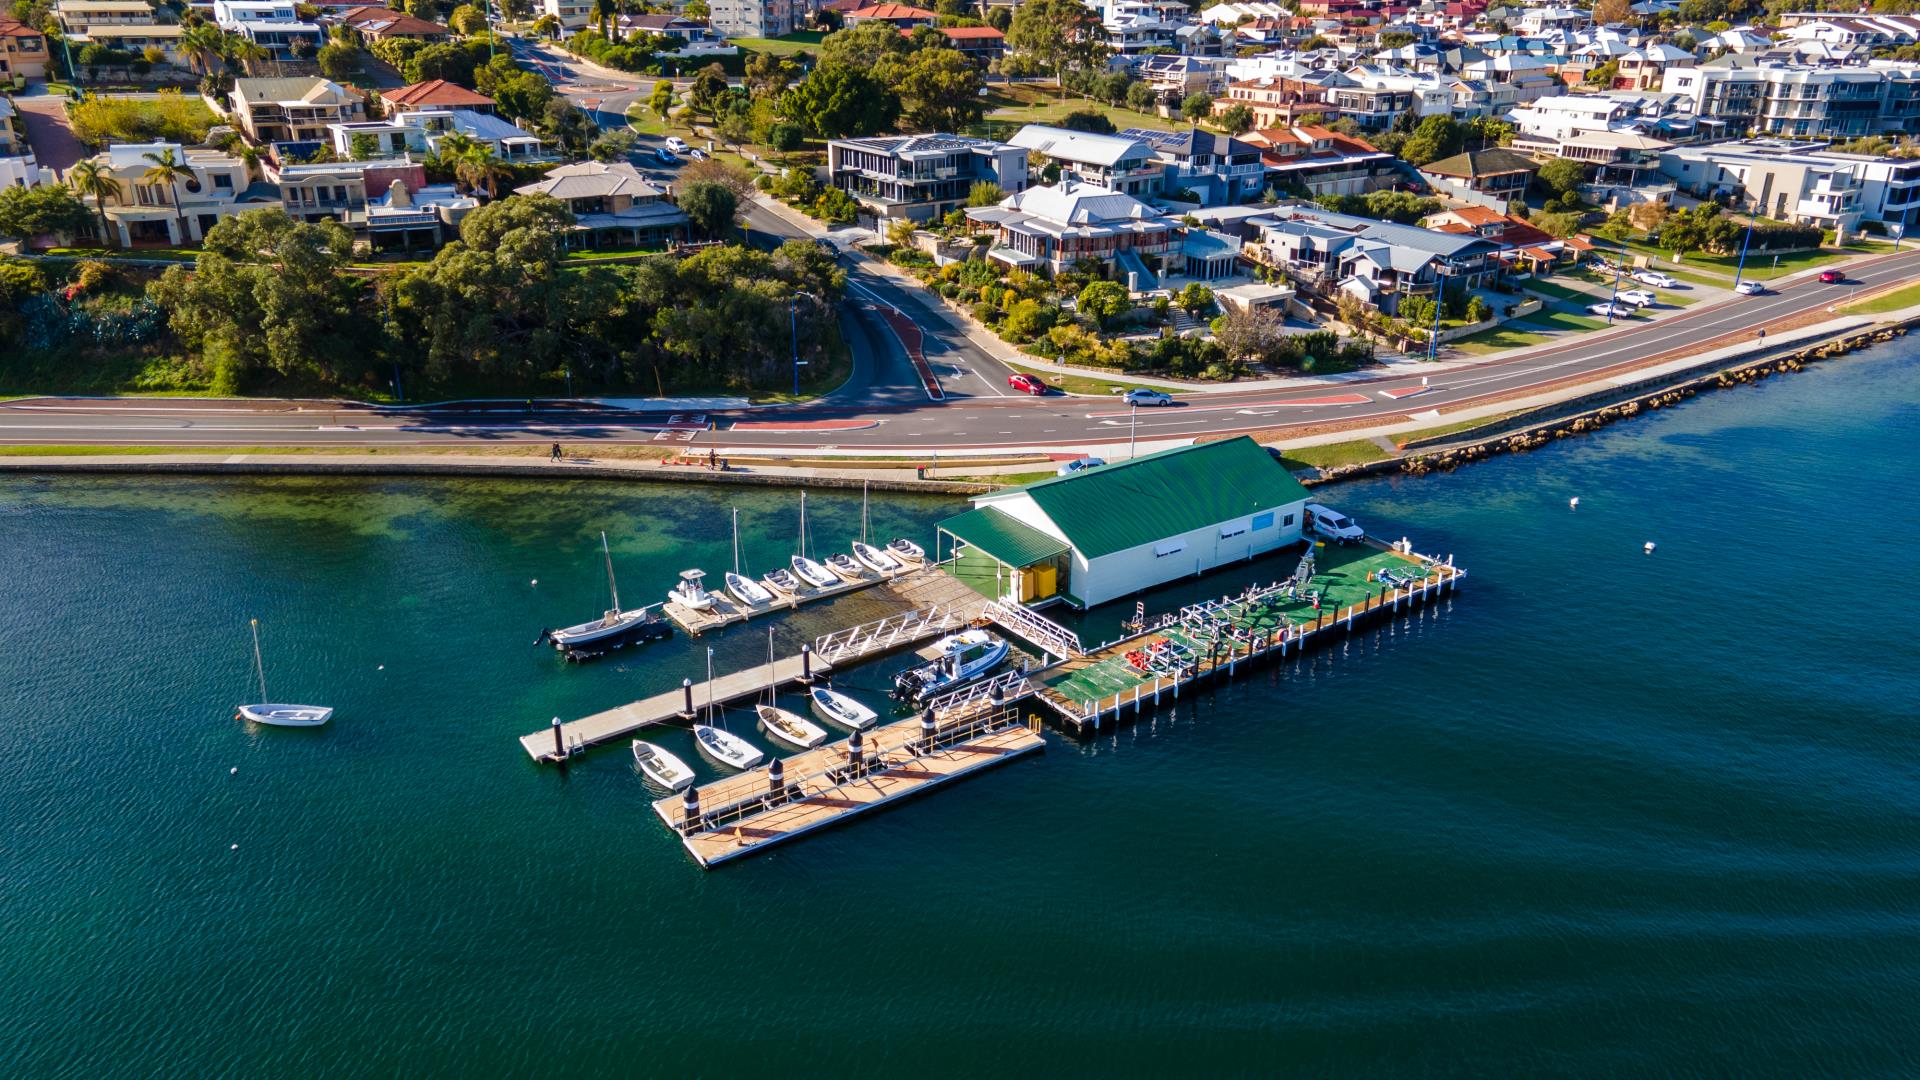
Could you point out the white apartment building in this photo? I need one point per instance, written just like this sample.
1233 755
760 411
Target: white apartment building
573 14
182 210
1801 101
755 18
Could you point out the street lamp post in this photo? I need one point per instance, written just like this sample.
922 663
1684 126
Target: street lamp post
1133 425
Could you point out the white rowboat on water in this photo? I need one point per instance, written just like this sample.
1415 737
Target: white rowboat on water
662 767
837 708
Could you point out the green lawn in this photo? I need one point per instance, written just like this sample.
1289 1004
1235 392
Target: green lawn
1548 288
1333 455
1551 321
1090 385
1011 107
594 254
799 41
118 253
1402 438
1894 301
1719 269
1536 329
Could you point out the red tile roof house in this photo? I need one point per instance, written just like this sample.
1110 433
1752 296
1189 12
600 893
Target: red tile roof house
379 24
904 16
979 44
436 94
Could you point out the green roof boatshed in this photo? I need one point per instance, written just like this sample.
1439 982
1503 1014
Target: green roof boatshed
1113 530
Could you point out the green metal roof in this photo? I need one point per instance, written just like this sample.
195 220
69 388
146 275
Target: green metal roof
1126 504
999 535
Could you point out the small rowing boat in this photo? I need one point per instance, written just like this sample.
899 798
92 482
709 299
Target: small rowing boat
661 766
837 708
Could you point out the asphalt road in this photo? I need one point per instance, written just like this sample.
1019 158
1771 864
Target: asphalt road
883 407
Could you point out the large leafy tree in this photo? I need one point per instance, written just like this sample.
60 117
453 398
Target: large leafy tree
266 292
26 212
1060 35
837 101
863 47
1436 137
709 206
940 90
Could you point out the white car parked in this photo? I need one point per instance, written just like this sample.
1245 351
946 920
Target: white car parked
1333 524
1637 297
1610 311
1750 288
676 144
1655 278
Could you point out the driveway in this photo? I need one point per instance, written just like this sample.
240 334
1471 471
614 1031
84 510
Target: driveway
48 133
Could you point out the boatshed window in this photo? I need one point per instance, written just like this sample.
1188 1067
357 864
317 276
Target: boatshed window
1169 547
1262 521
1287 521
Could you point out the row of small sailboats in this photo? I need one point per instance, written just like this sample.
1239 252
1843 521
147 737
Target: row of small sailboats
802 572
730 751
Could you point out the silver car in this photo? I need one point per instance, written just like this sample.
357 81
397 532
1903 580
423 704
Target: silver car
1144 396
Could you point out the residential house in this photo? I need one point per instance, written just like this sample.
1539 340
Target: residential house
77 15
18 166
387 202
1626 167
1312 161
1524 247
436 94
405 214
1377 262
1116 162
1133 27
1274 100
182 210
274 25
1173 78
755 18
1053 227
1215 168
1543 125
612 202
300 109
23 51
386 24
131 38
1775 178
576 14
922 177
1495 175
691 38
421 131
1646 68
980 44
904 16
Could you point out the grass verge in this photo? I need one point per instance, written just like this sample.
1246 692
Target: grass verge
1333 455
1904 297
785 45
1402 438
1087 384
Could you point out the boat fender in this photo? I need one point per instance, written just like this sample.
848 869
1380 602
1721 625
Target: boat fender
235 771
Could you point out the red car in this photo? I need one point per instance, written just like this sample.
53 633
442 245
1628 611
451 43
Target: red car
1027 384
1832 277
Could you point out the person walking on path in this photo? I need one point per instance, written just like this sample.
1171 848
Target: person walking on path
555 454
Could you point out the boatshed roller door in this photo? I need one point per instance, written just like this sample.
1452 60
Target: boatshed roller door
1001 536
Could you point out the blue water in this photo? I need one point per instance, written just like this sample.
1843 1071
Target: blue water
1603 813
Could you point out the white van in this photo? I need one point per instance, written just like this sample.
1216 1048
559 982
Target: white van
1333 524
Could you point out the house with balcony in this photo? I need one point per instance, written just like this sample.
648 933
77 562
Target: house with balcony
1311 161
1174 77
1050 228
690 38
1494 176
18 166
180 211
1773 178
980 44
750 18
1746 94
1626 167
902 16
421 131
1377 262
1115 162
1218 169
576 14
274 25
23 51
1274 100
406 217
1646 68
612 202
301 109
132 38
922 177
77 15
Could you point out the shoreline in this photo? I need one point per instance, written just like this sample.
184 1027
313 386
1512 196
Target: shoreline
1511 431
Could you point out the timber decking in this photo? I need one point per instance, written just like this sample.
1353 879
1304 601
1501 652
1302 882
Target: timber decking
747 812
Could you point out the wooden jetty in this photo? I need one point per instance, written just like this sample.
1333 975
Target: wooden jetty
727 610
790 797
926 606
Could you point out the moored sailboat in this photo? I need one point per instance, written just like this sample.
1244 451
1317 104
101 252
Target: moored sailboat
277 714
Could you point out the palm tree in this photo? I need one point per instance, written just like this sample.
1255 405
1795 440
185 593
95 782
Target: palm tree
241 51
164 169
92 178
481 167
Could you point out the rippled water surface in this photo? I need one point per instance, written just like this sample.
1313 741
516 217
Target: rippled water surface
1605 813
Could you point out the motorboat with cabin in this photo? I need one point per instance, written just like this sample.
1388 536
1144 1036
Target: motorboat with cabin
690 593
959 659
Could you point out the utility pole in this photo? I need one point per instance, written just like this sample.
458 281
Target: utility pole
1133 424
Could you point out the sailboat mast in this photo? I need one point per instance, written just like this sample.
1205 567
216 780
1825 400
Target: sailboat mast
259 665
612 586
864 486
803 524
736 539
709 684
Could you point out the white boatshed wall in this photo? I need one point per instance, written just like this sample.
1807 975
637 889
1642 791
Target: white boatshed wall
1121 573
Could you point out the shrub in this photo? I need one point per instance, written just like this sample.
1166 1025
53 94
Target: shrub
167 117
1028 319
